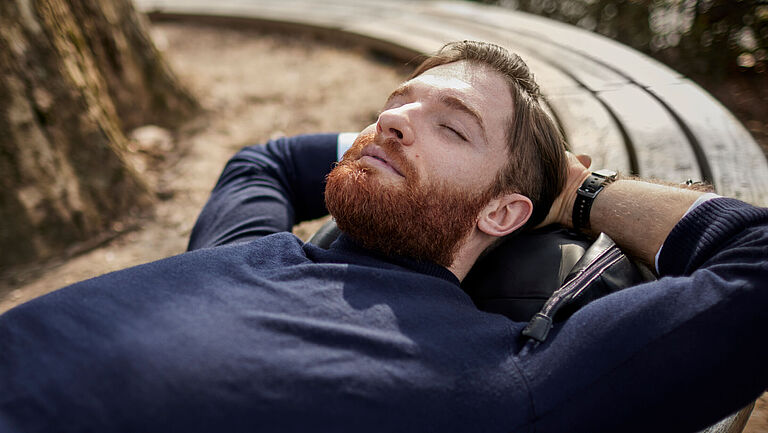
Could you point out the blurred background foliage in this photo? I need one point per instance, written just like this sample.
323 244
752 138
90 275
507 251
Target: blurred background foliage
721 44
713 37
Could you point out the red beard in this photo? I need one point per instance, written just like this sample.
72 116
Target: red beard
411 218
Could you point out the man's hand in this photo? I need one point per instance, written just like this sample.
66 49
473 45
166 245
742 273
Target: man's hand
562 208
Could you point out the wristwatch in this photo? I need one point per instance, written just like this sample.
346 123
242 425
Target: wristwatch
586 194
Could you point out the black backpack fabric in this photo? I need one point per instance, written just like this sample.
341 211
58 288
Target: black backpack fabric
544 276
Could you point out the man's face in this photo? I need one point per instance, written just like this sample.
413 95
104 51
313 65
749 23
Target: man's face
414 182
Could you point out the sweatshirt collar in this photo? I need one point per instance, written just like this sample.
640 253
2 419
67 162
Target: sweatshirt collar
346 242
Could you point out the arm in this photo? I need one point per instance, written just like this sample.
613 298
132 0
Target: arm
267 189
680 352
637 215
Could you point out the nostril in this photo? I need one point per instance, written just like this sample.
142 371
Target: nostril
397 133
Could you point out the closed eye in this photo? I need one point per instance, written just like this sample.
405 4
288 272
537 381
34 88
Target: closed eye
455 132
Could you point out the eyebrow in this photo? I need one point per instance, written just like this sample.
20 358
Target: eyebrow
457 104
403 90
451 102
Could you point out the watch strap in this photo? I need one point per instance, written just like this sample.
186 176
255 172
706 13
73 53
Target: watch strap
585 196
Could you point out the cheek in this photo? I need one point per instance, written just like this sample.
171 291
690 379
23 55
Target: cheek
459 169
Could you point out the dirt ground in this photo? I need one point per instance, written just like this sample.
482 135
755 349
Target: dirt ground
253 87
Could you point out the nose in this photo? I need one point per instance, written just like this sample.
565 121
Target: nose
397 123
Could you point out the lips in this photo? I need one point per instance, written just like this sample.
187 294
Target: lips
377 153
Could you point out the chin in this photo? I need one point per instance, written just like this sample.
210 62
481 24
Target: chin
406 218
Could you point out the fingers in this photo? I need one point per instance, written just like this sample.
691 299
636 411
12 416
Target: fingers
585 160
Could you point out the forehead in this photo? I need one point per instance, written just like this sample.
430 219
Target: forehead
462 75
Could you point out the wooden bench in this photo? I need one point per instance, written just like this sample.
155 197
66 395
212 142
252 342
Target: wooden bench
625 109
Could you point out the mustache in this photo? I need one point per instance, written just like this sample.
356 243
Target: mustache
394 150
392 147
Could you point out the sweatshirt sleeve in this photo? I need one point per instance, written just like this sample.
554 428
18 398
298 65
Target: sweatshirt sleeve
266 189
682 352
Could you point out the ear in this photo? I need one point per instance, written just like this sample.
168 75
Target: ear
504 214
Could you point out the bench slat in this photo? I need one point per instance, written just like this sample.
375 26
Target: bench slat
662 149
588 72
595 134
737 169
631 63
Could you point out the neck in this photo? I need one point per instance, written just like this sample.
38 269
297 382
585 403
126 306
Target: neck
469 251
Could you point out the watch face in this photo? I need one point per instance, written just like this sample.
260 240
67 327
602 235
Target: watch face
610 174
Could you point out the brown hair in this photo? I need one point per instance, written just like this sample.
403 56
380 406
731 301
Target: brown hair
537 165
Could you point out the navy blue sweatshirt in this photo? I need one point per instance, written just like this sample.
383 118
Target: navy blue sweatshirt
254 330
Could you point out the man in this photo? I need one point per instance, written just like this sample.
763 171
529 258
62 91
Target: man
254 330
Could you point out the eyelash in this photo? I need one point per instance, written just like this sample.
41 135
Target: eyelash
455 132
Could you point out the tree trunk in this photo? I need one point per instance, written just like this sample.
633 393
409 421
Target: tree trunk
73 74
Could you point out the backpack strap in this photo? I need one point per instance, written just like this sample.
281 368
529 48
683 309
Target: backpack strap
603 269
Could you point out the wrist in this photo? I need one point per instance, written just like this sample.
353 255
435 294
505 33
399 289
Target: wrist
568 197
584 196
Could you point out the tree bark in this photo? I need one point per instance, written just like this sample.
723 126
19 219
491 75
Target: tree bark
73 74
